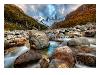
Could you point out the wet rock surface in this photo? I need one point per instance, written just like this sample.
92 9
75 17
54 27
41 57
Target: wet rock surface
87 59
44 63
38 38
56 63
27 58
64 55
78 41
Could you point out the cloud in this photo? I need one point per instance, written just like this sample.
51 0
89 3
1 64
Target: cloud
48 13
22 6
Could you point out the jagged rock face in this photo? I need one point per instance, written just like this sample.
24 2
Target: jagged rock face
38 38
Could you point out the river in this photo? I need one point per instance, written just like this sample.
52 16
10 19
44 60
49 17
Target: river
10 57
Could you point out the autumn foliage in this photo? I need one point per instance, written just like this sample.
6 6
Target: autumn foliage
82 15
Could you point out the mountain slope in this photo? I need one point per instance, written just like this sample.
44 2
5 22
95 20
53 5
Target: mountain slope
15 18
82 15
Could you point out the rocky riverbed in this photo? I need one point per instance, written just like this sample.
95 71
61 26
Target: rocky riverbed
57 48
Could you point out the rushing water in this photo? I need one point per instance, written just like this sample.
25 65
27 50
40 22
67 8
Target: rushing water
81 66
10 58
52 47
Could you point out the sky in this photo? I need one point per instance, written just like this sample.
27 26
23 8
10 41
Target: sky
48 13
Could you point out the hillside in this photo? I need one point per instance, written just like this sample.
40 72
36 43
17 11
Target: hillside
15 18
85 13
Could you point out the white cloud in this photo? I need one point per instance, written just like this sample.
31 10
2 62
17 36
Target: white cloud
22 6
75 6
42 11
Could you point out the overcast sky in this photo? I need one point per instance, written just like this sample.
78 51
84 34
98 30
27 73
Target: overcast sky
48 13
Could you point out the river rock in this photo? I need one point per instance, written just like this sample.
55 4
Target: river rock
73 42
60 35
29 57
78 41
8 43
44 63
92 40
14 42
87 59
90 33
86 49
38 38
83 28
64 43
56 63
64 55
20 41
15 38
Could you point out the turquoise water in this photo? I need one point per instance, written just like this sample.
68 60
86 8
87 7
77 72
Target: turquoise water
11 57
54 44
52 47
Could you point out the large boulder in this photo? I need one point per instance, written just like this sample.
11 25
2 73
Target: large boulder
86 59
73 42
78 41
38 38
65 56
29 57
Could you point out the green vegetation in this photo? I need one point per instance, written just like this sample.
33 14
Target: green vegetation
15 18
